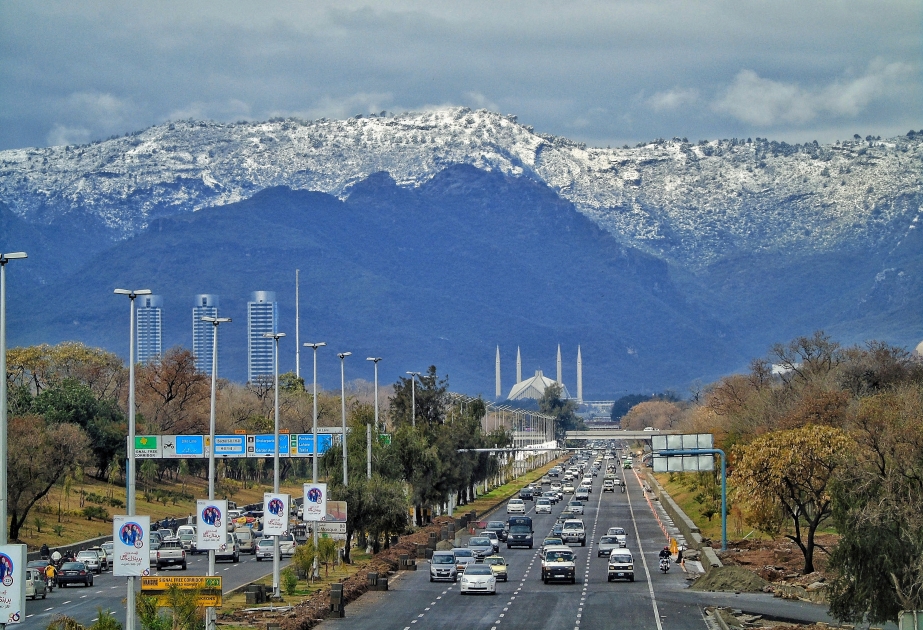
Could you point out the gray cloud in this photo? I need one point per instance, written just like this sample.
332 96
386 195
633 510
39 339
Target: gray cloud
714 68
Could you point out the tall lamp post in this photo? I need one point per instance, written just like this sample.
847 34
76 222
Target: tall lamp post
130 469
368 455
215 322
413 397
343 356
315 346
275 457
4 258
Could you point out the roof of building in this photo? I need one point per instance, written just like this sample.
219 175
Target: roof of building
534 387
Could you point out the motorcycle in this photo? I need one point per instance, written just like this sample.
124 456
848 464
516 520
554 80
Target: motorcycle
664 564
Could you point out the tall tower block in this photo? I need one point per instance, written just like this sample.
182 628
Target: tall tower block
262 317
149 321
518 366
560 379
579 377
205 305
499 390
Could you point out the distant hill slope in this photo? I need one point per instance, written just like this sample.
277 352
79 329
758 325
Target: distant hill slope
438 274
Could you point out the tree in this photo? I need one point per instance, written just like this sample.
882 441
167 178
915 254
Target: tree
563 410
786 475
40 454
173 395
659 414
877 563
43 366
429 395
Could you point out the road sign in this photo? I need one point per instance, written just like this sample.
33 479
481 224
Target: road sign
192 582
147 447
182 446
230 446
202 599
265 445
683 463
305 444
384 439
331 528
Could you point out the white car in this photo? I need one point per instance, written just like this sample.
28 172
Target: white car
568 488
543 506
620 534
478 578
516 506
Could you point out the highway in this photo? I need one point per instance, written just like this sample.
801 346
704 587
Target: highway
108 592
653 601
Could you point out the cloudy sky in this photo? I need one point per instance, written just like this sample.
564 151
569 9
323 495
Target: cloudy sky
607 73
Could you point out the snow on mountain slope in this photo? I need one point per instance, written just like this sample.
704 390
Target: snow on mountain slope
691 204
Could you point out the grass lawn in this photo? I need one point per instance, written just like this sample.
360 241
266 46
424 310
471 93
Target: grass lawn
44 525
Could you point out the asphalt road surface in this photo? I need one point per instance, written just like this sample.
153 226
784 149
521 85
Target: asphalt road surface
654 601
109 592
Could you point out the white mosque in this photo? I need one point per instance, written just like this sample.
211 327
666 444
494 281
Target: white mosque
534 387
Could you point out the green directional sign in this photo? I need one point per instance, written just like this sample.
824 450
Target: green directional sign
384 439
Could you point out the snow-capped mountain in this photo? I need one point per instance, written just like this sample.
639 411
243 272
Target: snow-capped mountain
691 204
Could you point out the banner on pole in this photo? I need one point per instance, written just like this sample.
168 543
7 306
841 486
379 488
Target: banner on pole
12 583
211 524
131 546
275 513
315 501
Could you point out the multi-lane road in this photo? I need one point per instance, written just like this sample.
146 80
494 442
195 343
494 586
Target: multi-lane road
109 592
654 601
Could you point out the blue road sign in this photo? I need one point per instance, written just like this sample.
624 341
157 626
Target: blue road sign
265 445
305 444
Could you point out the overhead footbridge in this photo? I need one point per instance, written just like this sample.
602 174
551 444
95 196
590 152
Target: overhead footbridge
616 434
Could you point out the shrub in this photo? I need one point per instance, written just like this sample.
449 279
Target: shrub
289 581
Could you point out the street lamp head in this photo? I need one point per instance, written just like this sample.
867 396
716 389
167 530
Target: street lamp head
414 373
343 355
215 320
273 335
12 256
132 294
319 344
373 359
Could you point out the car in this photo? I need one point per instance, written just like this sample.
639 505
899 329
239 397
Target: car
516 506
621 565
109 548
574 507
606 544
551 495
574 531
478 579
153 546
442 567
546 480
480 546
497 564
230 550
188 542
568 487
526 494
582 494
499 527
35 584
91 559
104 558
166 534
463 558
557 529
521 533
170 553
543 506
556 487
185 529
265 548
608 485
619 533
494 539
74 573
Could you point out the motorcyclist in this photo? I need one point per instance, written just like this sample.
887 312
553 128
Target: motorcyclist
56 558
665 553
43 552
50 575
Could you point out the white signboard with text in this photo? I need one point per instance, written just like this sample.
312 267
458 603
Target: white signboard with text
211 523
12 584
315 502
131 546
275 513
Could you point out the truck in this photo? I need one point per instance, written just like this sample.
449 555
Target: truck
519 532
170 553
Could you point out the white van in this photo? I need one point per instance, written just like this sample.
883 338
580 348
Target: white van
185 529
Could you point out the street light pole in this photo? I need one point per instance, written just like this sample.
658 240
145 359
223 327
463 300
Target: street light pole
215 322
130 469
315 346
413 397
368 463
275 458
343 356
4 258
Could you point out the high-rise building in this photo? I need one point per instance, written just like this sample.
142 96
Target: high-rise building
149 322
206 305
262 317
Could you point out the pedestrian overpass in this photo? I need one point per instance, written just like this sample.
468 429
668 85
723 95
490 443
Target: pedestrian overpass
616 434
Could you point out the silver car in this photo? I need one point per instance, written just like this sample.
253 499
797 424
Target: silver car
463 558
91 560
620 534
606 545
481 547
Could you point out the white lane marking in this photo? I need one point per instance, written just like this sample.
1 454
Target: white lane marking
69 601
52 607
650 584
